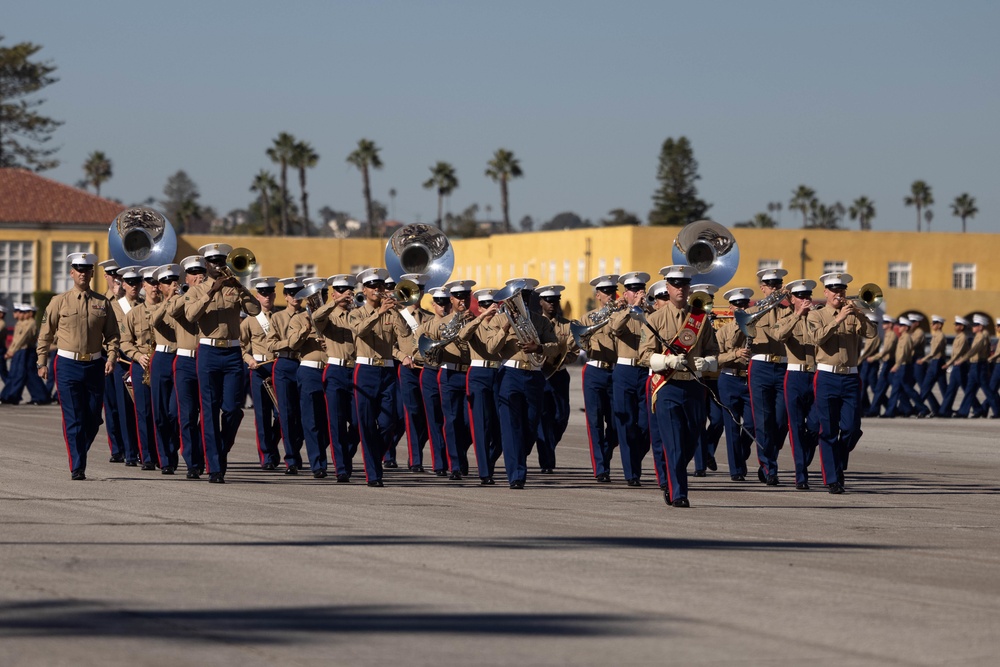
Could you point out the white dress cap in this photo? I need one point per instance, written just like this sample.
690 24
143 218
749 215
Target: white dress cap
888 319
738 294
981 320
938 319
634 278
916 317
167 270
835 279
109 265
456 286
771 274
550 290
264 282
149 272
961 320
342 280
801 286
418 278
439 293
903 321
530 283
483 295
291 284
312 281
213 249
81 259
610 280
130 272
704 287
659 287
678 271
193 262
372 275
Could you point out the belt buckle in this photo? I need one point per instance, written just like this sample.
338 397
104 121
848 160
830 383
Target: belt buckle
842 369
775 359
218 342
378 362
84 356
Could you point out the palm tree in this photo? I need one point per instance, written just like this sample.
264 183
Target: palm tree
929 216
281 153
363 157
863 210
263 184
827 217
304 157
97 169
964 207
502 168
443 178
920 196
803 199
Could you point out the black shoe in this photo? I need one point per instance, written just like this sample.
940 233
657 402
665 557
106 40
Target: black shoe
116 459
604 478
464 470
634 482
738 478
149 465
131 464
416 468
441 473
78 475
836 488
216 478
760 475
682 502
700 473
319 474
169 470
517 484
545 471
376 483
455 475
390 464
269 466
802 486
292 470
343 479
711 463
486 481
772 480
193 473
666 497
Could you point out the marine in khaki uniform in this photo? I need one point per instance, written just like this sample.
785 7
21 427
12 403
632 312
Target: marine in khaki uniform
734 355
904 399
555 413
885 356
430 390
932 361
410 397
484 423
284 375
186 367
131 278
602 355
978 374
260 361
137 343
957 366
869 365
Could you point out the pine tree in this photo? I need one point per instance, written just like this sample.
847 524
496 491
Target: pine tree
676 201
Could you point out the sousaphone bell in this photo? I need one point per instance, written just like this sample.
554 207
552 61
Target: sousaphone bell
140 236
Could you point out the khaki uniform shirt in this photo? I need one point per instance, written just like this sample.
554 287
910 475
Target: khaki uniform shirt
137 332
601 346
119 309
477 332
668 321
904 349
409 344
456 352
978 350
277 337
799 347
627 334
918 336
959 346
304 339
730 341
568 349
888 350
505 344
335 328
218 316
163 325
838 344
25 335
253 340
869 351
84 322
376 336
185 331
937 346
767 341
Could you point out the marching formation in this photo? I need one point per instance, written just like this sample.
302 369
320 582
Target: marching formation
353 362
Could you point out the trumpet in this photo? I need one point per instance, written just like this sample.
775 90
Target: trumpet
240 262
870 296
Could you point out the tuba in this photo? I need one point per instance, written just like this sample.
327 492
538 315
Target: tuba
140 236
420 248
512 304
709 247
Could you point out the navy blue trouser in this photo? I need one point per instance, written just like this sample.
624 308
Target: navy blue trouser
977 378
164 408
629 397
554 417
16 379
112 423
338 383
995 378
267 430
655 442
712 432
680 416
597 406
932 371
430 391
39 390
735 395
957 377
400 428
881 391
414 418
803 421
286 388
3 359
904 399
80 385
144 429
375 405
766 381
520 394
312 408
126 410
481 385
838 399
220 378
869 378
455 408
189 411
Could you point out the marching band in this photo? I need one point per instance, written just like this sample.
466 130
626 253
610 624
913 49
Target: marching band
485 370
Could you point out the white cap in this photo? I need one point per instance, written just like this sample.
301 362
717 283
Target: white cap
371 275
961 320
738 294
342 280
214 249
771 274
483 295
529 283
3 308
998 321
264 282
659 287
418 278
634 278
439 293
937 319
28 308
130 272
903 321
916 317
981 320
149 273
81 259
456 286
888 319
291 284
682 271
109 265
610 280
550 290
313 281
801 286
167 270
834 279
193 262
704 287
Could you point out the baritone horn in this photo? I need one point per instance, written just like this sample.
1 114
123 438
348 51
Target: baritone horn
406 294
870 296
241 262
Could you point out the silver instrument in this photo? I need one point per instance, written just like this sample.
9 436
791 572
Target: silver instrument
420 248
512 305
709 247
312 296
599 319
140 236
747 322
431 348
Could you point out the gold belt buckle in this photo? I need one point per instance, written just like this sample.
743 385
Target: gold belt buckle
218 342
378 362
775 359
84 356
492 364
843 369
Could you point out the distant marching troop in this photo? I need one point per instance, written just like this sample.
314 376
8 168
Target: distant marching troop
167 350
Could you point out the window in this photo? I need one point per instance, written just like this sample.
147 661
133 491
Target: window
618 265
768 264
358 268
552 271
581 268
834 266
61 280
17 275
602 266
899 275
305 270
963 276
499 273
566 271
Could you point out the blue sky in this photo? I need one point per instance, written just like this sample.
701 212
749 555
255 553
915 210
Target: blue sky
852 98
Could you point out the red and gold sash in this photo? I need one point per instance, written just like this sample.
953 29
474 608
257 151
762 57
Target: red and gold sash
681 344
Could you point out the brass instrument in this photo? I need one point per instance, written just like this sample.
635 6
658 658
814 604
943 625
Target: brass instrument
140 236
512 305
240 262
747 322
420 248
268 385
870 296
599 319
312 296
406 294
431 348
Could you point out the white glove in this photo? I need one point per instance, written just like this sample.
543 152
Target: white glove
661 362
710 364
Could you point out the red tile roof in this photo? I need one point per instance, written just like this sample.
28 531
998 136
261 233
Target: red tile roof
26 197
